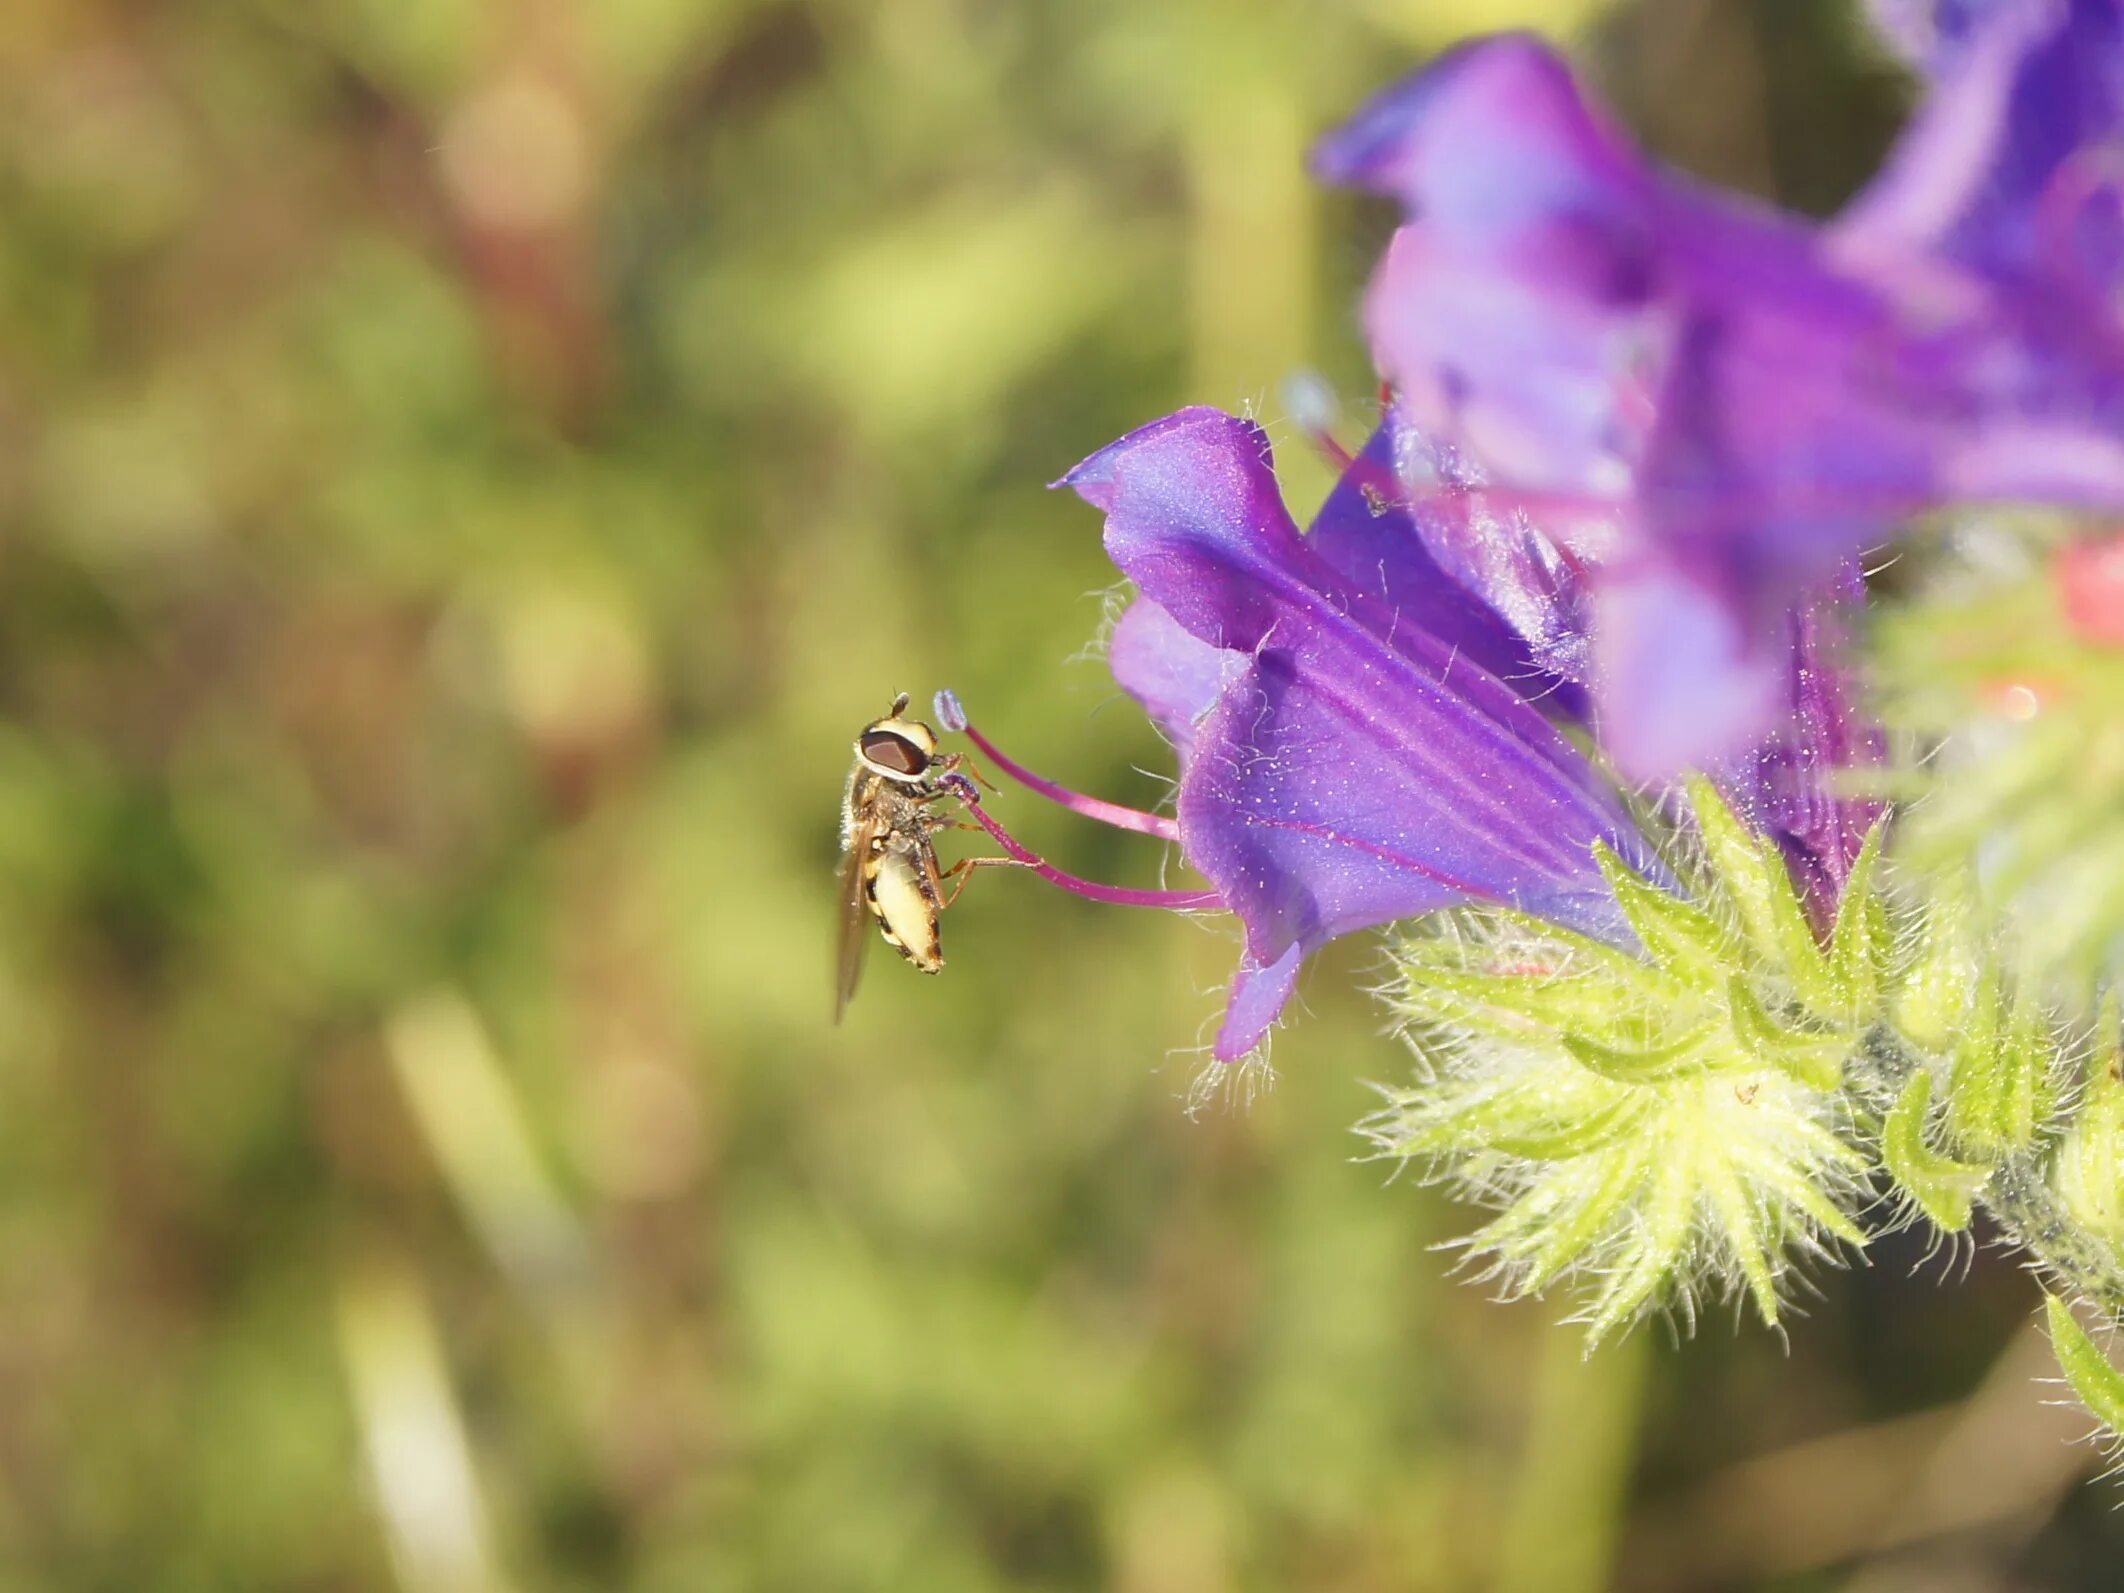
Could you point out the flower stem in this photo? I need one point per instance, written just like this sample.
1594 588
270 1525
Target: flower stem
2019 1195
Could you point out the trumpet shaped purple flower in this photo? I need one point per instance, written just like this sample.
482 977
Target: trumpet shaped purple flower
1748 399
1362 736
2013 167
1359 737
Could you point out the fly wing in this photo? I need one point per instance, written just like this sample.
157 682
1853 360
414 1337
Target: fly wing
858 823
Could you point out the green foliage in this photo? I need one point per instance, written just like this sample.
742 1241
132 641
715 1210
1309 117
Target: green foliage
2019 799
2089 1175
1998 1084
1981 1024
1749 881
1941 1187
1651 1126
1690 1118
2092 1376
1861 942
2004 677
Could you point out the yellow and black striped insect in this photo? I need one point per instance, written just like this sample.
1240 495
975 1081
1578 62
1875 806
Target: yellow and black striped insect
889 819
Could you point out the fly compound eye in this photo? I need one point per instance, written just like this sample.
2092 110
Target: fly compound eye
894 753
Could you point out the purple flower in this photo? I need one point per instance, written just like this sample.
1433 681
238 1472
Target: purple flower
1747 399
1786 785
1362 736
2013 167
1359 736
1530 572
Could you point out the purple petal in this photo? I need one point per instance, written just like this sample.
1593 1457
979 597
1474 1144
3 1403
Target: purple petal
1207 473
1512 314
1533 575
1316 809
1494 137
1390 550
1195 518
1761 399
1359 769
1173 675
1258 999
1679 673
2012 166
1788 785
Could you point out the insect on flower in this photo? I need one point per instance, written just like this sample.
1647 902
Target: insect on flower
889 823
888 858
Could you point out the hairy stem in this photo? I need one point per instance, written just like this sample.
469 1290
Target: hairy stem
1877 1070
2019 1195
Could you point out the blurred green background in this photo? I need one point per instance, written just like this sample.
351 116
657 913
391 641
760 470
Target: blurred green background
466 471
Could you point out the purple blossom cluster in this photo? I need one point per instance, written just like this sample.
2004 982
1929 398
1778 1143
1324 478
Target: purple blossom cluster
1639 433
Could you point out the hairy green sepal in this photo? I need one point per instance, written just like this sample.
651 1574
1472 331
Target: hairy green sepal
1938 1185
1650 1125
2092 1375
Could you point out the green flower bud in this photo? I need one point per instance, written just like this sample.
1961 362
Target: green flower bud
2092 1375
1655 1126
2089 1173
1980 1029
1942 1189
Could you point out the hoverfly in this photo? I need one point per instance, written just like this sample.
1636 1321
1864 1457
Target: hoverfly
888 859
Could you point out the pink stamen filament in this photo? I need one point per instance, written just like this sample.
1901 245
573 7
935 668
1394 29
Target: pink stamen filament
1121 818
1331 449
1177 901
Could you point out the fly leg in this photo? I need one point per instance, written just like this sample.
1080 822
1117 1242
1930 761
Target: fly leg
946 765
960 763
932 823
962 871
